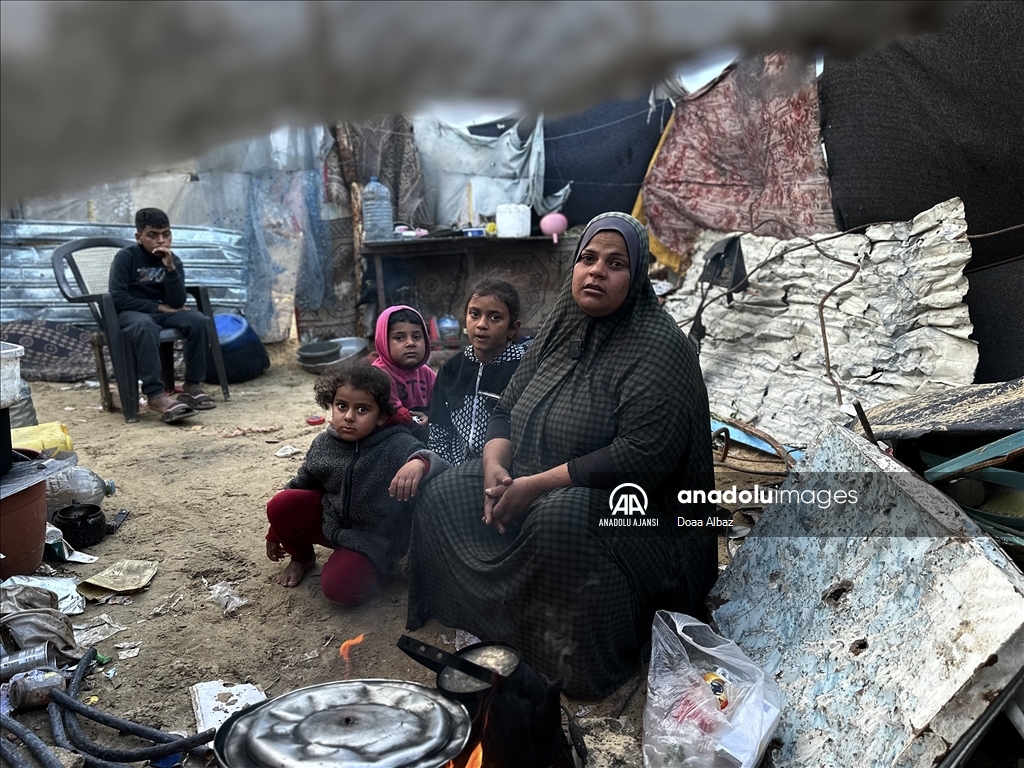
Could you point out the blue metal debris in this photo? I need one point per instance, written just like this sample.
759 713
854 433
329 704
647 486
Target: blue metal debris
997 452
739 436
887 647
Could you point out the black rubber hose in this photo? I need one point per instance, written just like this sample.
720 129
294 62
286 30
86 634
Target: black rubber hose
83 742
125 726
73 705
33 743
170 745
60 738
12 755
104 718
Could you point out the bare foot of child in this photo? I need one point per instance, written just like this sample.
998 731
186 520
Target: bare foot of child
294 572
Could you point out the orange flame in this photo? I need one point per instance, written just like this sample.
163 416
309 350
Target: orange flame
476 759
346 649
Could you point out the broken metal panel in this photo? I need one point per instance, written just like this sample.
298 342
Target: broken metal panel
900 328
995 407
994 454
885 646
218 259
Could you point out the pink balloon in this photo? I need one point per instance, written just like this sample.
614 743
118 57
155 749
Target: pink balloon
554 224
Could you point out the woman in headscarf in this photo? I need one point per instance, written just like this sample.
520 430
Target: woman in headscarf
610 392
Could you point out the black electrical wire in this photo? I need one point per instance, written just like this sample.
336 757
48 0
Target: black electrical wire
60 738
42 753
13 756
170 745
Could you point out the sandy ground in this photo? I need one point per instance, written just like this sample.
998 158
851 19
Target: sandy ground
197 500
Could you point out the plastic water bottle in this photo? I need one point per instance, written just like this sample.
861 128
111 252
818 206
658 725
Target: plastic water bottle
378 221
76 484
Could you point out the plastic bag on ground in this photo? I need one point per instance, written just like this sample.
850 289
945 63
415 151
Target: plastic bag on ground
708 705
227 597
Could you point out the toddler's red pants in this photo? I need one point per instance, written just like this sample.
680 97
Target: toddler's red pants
296 522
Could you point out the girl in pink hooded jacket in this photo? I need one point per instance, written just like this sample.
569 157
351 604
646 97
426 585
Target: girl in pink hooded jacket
402 351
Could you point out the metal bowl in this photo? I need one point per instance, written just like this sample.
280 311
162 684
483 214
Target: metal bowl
347 347
319 352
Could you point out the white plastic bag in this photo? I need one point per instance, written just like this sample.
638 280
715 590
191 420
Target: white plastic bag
685 724
227 597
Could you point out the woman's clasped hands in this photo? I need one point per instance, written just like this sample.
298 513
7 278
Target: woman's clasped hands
506 499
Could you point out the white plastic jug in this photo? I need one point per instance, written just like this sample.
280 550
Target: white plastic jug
513 220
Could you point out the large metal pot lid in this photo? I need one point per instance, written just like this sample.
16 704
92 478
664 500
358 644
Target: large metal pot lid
346 724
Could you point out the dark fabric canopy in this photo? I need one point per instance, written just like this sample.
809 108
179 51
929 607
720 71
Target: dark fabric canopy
937 116
604 152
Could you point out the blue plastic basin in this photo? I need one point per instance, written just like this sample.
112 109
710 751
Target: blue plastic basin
230 330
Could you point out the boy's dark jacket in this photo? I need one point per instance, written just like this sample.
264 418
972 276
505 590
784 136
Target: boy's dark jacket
354 478
139 282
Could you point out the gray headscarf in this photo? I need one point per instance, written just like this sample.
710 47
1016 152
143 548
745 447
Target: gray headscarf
634 233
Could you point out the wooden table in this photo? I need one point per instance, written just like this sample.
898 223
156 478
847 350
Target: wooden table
535 265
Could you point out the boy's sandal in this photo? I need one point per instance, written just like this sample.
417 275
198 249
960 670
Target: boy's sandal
176 412
200 402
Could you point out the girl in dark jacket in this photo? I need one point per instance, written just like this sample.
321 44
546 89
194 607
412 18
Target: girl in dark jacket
469 385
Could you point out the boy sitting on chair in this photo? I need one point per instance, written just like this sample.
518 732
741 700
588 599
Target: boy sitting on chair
147 284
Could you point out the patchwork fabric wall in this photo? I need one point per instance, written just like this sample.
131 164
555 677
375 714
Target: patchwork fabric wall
746 152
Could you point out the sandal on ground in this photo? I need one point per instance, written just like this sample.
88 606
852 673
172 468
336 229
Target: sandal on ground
200 402
176 412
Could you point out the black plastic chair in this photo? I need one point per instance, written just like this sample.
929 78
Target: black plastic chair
88 261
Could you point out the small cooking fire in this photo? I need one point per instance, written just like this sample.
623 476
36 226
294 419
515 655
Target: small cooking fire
515 714
475 759
346 649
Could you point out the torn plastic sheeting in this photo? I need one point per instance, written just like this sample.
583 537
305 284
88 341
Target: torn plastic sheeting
501 169
68 600
96 630
280 221
896 643
899 328
227 598
30 616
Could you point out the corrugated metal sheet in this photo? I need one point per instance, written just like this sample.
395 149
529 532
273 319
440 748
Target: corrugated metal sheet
216 258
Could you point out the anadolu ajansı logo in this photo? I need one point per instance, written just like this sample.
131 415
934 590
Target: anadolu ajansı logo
628 498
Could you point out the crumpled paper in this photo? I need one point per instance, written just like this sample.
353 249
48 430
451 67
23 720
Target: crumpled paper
122 577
